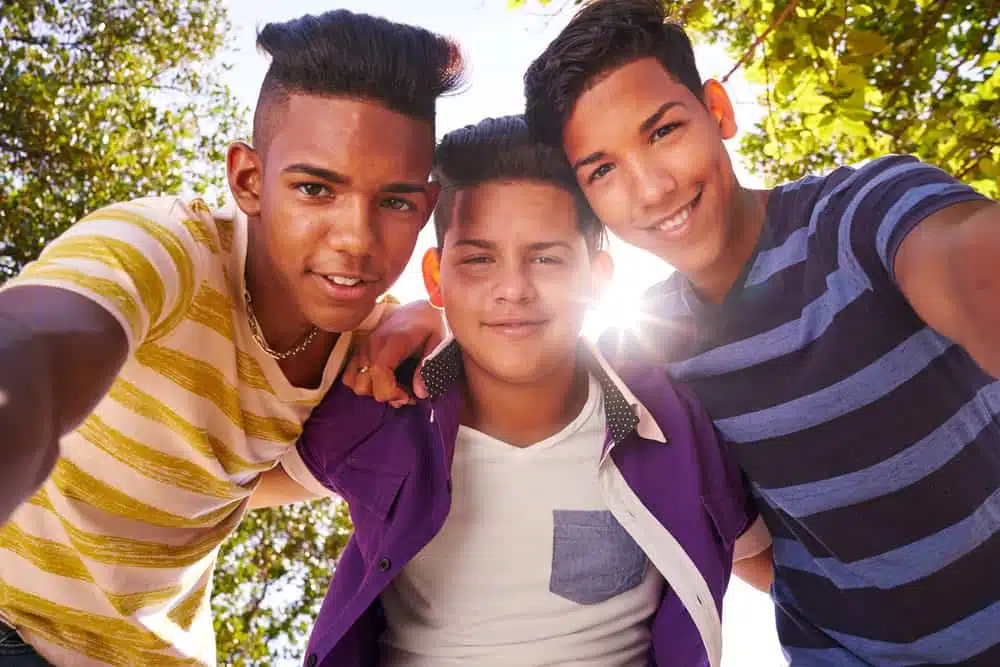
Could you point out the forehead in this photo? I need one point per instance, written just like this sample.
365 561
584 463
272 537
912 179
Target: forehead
525 211
358 138
619 101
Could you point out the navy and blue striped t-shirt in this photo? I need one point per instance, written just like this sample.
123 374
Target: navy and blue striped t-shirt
871 442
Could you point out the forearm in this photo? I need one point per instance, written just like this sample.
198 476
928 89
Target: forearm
975 276
29 444
758 571
276 487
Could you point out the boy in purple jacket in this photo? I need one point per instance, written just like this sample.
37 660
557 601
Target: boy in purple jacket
538 508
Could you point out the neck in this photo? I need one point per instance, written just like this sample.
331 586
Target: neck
282 327
524 414
748 212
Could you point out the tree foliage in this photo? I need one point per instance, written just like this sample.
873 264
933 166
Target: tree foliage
270 580
848 80
103 101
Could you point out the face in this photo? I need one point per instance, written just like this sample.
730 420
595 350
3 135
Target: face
338 196
650 159
515 279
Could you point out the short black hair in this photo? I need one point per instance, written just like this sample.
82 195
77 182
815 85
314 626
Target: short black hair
341 53
503 149
603 36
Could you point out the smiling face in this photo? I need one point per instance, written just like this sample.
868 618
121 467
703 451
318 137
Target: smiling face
650 159
516 277
339 193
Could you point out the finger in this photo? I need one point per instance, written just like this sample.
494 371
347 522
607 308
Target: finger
358 375
360 358
390 351
363 385
384 386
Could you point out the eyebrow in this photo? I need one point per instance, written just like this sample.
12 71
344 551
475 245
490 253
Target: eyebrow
489 245
655 117
546 245
475 243
644 127
336 177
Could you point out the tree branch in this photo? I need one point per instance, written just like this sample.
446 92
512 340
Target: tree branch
753 47
900 72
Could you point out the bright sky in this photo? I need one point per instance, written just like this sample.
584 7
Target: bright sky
499 44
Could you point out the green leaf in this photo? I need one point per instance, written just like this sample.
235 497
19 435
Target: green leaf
865 42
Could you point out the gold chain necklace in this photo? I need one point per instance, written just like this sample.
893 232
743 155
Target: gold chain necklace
259 337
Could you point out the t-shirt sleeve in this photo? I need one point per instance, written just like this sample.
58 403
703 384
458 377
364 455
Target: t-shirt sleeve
136 260
878 205
300 471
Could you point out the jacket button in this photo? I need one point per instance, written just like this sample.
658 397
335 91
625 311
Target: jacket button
311 660
384 564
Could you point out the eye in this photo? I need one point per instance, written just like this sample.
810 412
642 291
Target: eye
398 204
663 131
313 189
547 259
477 259
600 172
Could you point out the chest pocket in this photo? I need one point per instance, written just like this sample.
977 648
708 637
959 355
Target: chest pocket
593 557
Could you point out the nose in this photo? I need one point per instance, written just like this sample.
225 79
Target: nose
353 230
514 285
652 183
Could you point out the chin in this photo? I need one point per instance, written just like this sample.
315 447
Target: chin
337 320
520 373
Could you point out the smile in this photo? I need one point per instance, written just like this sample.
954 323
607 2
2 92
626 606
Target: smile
344 281
677 220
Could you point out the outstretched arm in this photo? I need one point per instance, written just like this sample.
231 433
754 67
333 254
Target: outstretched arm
59 354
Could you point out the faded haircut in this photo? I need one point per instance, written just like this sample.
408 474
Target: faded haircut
344 54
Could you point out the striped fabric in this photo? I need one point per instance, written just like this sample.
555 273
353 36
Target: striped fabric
872 442
111 562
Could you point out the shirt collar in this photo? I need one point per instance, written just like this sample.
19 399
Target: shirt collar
624 412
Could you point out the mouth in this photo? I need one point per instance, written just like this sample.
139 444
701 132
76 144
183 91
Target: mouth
677 221
345 286
516 328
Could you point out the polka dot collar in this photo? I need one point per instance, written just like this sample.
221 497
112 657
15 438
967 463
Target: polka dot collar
442 369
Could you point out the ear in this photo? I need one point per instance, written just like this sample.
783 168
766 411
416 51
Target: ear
431 268
721 107
245 172
602 269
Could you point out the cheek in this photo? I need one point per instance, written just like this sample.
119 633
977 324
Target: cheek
399 240
610 202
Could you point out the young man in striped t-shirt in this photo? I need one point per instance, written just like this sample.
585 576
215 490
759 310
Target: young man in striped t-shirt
160 358
843 332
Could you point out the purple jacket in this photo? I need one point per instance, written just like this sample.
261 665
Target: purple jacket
672 487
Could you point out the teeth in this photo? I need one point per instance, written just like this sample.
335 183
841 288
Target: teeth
341 280
677 220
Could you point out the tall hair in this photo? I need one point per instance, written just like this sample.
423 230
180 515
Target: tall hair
601 37
503 150
341 53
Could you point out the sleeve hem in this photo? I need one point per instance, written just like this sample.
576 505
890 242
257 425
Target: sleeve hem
297 469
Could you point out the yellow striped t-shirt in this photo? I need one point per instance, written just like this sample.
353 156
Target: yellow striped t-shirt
110 563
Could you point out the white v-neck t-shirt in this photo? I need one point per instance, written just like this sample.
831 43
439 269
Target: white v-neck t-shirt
530 567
